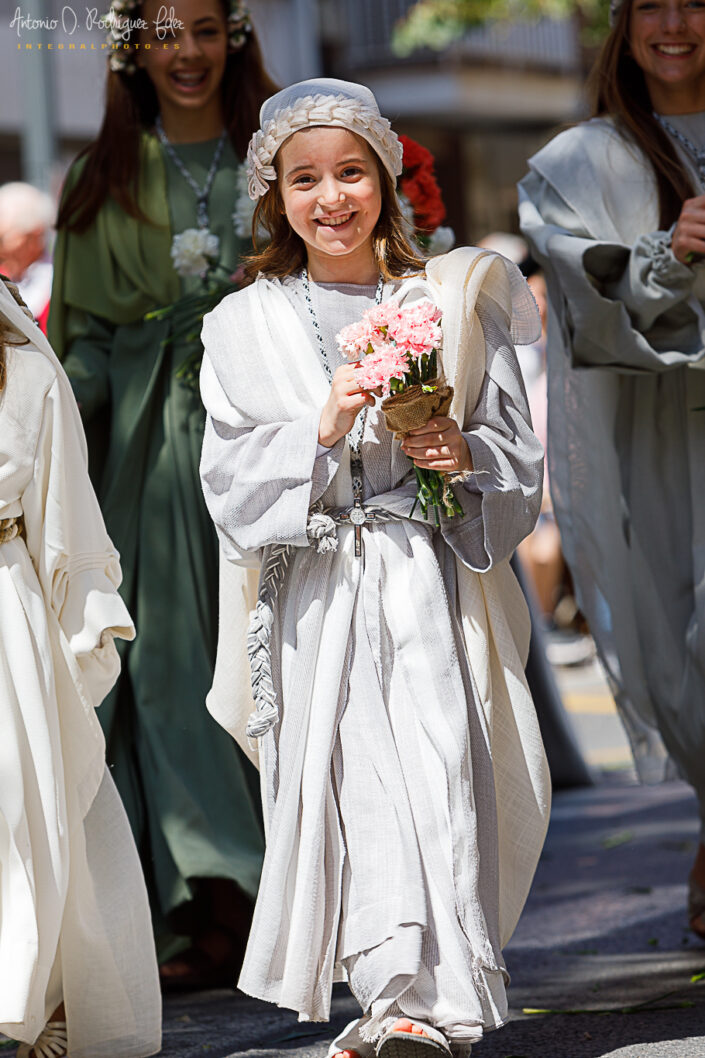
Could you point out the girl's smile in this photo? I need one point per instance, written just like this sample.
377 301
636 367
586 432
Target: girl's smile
667 40
331 192
187 74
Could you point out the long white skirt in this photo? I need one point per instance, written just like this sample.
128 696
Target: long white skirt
382 846
74 918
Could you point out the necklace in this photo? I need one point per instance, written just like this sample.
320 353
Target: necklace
357 515
695 152
202 193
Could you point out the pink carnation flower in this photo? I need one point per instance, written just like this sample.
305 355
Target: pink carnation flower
379 368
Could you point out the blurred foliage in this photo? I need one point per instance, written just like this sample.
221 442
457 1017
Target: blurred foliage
438 23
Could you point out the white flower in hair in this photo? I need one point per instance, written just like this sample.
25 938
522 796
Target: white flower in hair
194 250
245 208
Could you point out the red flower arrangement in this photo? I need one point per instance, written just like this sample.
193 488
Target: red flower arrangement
418 183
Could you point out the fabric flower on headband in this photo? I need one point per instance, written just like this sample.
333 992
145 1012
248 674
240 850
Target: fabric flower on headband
122 59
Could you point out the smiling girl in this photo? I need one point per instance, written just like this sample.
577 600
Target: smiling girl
615 212
404 783
180 110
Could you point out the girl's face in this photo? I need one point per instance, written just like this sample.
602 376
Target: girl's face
331 191
186 77
667 40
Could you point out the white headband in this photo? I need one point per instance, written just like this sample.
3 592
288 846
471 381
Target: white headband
321 101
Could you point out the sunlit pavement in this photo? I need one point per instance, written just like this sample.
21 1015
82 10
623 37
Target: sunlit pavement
604 930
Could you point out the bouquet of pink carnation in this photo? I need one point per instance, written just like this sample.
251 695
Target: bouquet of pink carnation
397 346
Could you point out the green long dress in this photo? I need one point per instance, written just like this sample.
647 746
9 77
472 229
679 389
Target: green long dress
188 790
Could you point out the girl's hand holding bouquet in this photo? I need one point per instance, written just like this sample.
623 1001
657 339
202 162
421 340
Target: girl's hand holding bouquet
346 400
396 348
439 445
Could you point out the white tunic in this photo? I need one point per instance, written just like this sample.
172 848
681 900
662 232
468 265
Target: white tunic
74 922
626 430
382 841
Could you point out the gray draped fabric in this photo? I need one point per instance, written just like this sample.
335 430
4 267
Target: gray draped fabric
382 756
626 433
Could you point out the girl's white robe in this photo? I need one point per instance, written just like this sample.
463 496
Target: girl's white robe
74 919
406 667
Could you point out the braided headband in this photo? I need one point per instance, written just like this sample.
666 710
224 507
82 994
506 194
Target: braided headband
341 111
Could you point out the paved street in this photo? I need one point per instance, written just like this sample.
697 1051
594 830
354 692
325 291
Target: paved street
604 930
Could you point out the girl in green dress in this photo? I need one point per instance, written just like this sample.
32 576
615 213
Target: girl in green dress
158 188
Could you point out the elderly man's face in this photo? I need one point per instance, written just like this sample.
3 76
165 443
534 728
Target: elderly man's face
18 250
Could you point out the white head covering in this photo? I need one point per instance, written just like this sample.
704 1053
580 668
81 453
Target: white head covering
320 101
22 321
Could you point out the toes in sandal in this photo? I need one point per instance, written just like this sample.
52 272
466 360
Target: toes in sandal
696 907
52 1042
396 1043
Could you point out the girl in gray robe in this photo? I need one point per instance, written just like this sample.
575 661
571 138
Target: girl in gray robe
609 208
404 784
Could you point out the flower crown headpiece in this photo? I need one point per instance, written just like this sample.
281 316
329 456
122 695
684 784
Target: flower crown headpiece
122 59
615 6
322 101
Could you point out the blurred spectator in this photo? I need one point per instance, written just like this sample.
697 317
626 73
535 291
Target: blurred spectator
26 218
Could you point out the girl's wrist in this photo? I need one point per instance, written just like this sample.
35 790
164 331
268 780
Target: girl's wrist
326 434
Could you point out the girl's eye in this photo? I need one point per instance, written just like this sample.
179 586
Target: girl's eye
351 170
303 179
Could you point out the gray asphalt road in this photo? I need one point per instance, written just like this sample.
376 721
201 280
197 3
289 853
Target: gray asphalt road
604 929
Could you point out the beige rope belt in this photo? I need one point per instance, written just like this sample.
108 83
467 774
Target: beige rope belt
10 528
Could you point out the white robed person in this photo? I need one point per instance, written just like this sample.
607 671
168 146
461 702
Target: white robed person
78 969
614 209
404 782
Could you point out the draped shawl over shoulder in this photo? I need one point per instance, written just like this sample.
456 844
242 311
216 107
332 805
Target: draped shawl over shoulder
121 251
280 381
75 924
625 438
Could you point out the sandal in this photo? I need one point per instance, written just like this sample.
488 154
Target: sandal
402 1043
696 907
52 1042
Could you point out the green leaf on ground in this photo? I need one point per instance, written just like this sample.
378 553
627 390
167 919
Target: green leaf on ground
620 837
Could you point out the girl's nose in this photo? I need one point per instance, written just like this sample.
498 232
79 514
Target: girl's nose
673 19
330 193
189 46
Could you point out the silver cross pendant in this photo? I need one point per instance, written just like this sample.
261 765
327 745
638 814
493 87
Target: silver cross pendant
358 519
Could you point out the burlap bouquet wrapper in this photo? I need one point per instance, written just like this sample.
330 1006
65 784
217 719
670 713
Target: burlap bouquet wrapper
412 407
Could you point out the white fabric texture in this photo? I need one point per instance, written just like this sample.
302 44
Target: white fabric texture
319 101
409 649
625 351
75 921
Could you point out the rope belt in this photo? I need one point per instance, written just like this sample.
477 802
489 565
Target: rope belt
321 530
10 528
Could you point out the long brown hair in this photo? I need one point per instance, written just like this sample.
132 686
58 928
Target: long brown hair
285 253
112 161
617 88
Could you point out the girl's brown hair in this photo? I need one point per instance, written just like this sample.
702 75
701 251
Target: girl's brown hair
112 161
285 253
8 334
617 88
